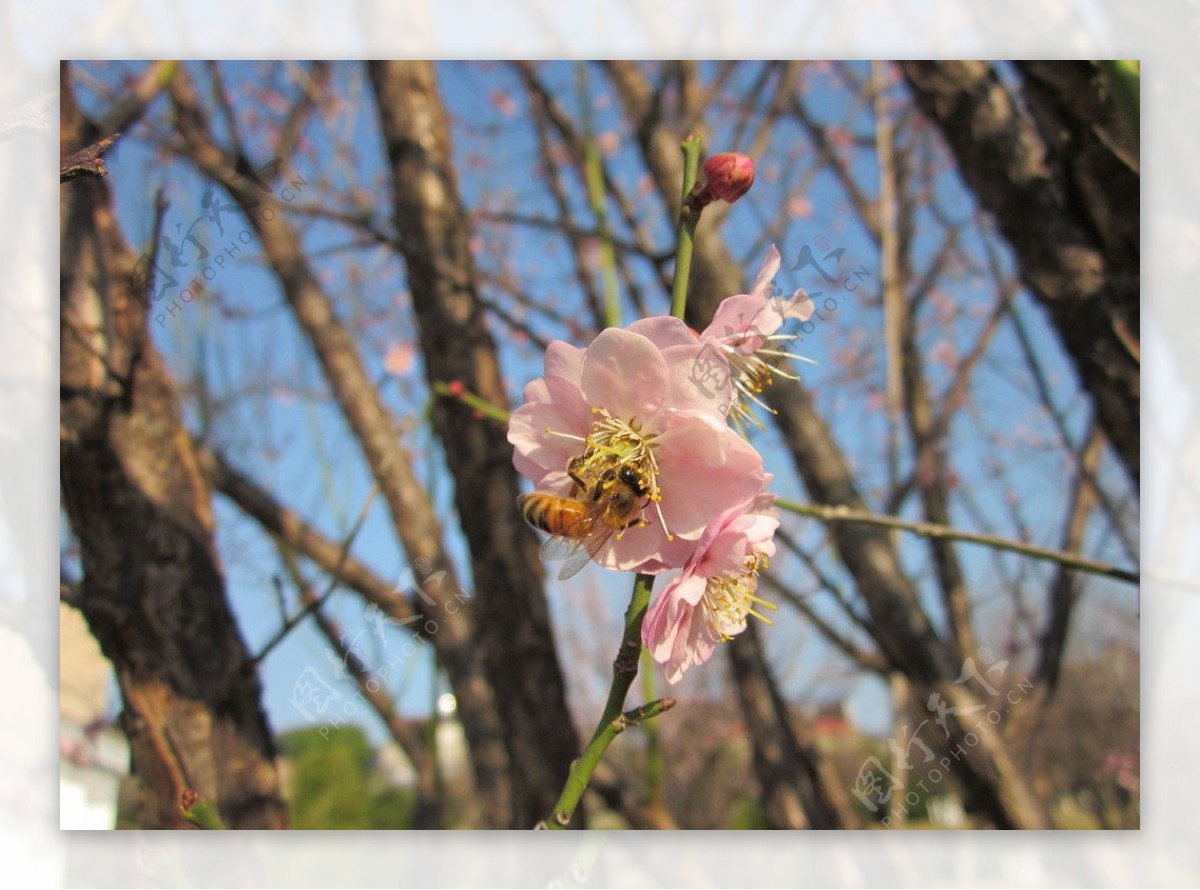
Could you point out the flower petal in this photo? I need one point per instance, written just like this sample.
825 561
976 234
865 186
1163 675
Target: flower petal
536 453
664 331
766 274
700 378
624 373
743 322
564 360
799 306
637 550
706 468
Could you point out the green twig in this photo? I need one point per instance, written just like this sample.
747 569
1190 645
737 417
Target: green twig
687 225
484 407
654 757
1125 80
612 721
202 814
933 530
593 173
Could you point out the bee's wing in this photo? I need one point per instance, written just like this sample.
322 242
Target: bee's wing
578 548
578 557
558 547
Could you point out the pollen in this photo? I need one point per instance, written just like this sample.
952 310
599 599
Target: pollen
753 375
729 598
614 443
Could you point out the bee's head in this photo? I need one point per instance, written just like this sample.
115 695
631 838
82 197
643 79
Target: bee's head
634 480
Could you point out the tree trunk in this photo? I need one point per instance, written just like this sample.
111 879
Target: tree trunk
1062 179
152 588
514 621
796 791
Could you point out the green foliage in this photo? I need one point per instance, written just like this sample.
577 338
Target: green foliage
747 814
333 784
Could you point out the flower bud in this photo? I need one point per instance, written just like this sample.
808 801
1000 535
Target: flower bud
728 175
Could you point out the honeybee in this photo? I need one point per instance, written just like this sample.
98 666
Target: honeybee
579 525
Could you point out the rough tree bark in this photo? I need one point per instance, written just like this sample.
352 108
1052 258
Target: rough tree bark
1062 180
152 589
514 622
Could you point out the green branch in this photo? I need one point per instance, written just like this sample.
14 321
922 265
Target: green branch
468 398
654 754
593 174
687 225
612 722
202 815
944 532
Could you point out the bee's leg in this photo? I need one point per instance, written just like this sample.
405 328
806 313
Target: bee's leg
603 483
573 472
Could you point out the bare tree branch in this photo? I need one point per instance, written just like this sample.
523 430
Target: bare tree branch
88 161
798 790
839 513
429 804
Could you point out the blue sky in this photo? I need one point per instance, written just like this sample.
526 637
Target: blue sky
246 346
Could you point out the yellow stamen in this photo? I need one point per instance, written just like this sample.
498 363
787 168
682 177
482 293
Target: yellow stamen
614 443
728 600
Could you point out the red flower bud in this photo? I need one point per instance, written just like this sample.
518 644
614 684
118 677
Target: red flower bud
455 388
728 175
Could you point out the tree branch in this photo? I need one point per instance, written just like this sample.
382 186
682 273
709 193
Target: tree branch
88 161
942 532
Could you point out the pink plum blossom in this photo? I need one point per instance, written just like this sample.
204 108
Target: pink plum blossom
628 400
709 600
743 322
744 330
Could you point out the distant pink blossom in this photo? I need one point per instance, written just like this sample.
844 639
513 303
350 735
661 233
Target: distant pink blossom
709 601
799 208
399 359
503 102
945 353
609 142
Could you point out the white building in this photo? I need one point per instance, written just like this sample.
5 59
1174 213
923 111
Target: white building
93 754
